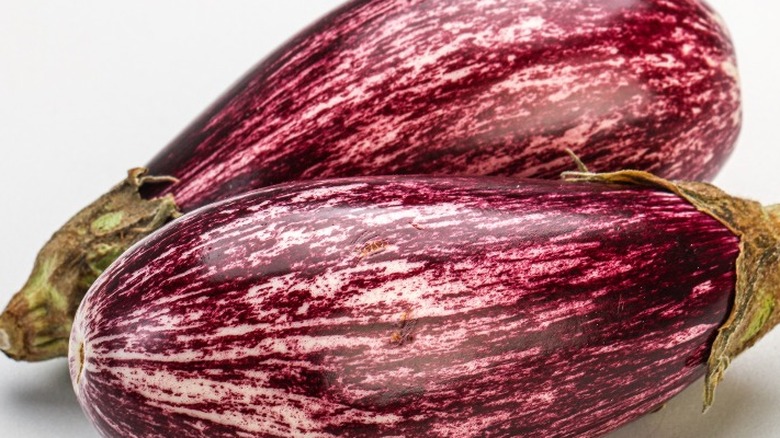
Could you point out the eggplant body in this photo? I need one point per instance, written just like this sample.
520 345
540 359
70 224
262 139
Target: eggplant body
472 87
416 306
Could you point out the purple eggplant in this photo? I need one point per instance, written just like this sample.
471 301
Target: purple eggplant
472 87
425 306
421 87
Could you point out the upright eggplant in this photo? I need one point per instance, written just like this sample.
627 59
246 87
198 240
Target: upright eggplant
426 306
422 86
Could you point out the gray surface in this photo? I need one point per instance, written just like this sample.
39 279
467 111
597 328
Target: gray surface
92 88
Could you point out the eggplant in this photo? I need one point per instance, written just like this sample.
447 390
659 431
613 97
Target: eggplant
426 306
420 87
472 87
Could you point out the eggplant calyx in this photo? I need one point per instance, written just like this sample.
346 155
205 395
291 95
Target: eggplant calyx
755 308
36 323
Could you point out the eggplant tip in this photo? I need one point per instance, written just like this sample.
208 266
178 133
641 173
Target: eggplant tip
5 340
77 361
13 338
10 339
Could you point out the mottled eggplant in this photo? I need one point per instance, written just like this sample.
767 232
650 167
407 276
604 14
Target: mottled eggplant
424 306
422 87
473 87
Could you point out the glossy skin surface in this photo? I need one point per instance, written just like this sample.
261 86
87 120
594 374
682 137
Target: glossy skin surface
414 306
472 87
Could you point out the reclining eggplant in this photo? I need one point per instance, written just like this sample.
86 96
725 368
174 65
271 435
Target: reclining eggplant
424 306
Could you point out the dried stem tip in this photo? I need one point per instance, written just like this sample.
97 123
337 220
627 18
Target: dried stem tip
36 323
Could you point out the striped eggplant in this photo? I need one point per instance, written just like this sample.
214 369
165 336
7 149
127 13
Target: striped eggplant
425 306
423 86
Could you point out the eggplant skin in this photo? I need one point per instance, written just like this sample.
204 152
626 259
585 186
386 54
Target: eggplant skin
472 87
406 306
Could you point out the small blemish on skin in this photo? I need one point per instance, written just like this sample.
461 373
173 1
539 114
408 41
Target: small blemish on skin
81 363
405 326
416 226
373 247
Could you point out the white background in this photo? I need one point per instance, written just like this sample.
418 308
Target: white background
90 89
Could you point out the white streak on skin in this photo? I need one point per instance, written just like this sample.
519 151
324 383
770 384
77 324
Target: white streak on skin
509 222
686 335
174 396
324 192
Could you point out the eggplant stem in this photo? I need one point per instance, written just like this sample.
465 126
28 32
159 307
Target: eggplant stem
756 306
581 167
37 322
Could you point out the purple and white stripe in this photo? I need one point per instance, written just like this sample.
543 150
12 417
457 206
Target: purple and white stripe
477 87
414 306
